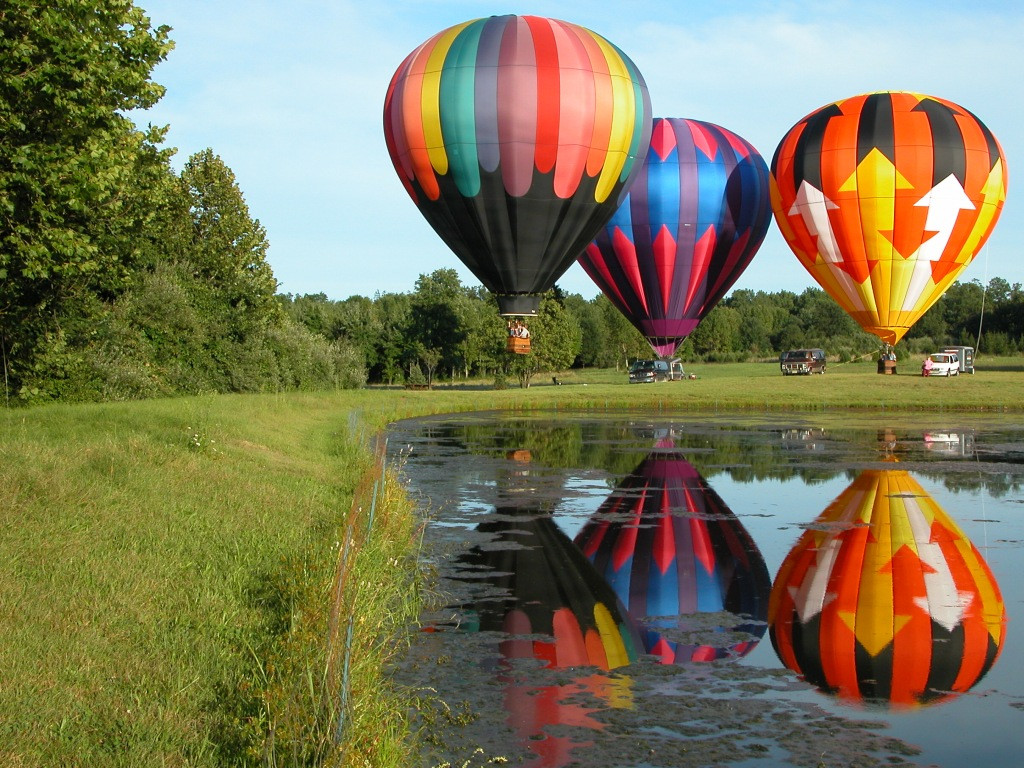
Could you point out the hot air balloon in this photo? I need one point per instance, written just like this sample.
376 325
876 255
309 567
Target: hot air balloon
693 220
885 600
548 604
516 136
676 555
885 199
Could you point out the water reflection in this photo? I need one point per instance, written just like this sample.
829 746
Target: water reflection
550 606
885 600
685 567
587 564
550 601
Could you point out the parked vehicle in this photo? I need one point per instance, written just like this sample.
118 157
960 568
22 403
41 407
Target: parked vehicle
802 362
941 364
647 371
966 357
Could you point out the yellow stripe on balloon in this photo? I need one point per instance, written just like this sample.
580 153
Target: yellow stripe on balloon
902 273
611 639
623 120
875 182
430 98
992 608
875 607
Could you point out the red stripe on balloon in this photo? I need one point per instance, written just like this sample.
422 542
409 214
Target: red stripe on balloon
548 93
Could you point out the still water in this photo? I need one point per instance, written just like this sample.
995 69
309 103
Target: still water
657 590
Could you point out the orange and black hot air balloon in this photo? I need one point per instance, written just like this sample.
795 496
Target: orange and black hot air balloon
885 600
885 198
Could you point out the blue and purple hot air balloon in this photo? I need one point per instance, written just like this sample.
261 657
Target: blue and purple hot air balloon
679 558
693 220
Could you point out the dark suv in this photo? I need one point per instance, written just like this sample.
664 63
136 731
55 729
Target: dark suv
802 361
644 371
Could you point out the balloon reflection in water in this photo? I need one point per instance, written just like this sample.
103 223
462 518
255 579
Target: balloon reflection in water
554 607
673 550
885 600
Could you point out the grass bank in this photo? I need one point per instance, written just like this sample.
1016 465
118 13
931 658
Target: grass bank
180 579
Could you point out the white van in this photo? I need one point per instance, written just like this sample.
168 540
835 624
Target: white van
965 355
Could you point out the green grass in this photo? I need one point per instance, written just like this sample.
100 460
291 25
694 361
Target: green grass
171 591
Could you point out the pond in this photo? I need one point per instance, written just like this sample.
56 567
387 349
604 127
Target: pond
695 590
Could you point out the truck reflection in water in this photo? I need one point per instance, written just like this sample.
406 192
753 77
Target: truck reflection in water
884 600
683 564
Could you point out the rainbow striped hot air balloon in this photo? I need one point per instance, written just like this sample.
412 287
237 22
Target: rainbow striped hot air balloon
549 589
885 599
548 604
672 550
692 222
885 199
516 136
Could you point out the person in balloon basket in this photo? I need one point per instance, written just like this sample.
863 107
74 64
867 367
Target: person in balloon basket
518 330
926 367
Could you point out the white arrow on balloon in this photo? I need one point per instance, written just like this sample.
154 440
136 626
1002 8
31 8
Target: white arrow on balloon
944 202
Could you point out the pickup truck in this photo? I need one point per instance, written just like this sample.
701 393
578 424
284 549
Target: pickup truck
802 361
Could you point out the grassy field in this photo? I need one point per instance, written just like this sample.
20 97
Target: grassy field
179 578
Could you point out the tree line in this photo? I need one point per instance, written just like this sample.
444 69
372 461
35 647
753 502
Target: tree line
122 278
445 330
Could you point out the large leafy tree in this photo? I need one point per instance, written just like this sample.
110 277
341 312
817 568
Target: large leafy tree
437 318
70 161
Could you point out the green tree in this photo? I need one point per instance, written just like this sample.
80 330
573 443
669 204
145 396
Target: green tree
823 318
70 163
228 248
717 337
623 342
393 311
482 348
437 313
594 339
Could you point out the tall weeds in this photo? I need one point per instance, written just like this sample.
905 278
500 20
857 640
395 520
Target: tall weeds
326 699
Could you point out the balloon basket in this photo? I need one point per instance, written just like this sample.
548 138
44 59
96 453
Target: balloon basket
518 345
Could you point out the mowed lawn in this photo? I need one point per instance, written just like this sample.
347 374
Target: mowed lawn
152 554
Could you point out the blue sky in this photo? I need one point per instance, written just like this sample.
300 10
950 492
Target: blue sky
290 96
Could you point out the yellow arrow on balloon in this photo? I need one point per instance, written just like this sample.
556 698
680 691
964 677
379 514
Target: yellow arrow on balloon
994 195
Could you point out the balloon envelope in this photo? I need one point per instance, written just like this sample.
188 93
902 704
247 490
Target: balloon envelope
885 199
549 589
515 136
885 599
672 550
692 221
